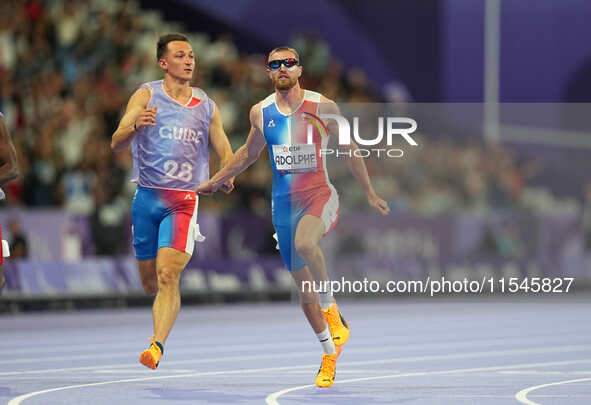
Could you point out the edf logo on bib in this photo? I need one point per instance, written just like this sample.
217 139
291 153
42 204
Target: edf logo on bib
291 148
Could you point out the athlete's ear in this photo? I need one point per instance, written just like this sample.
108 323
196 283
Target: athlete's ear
162 63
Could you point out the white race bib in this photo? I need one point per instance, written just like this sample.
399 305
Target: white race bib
299 158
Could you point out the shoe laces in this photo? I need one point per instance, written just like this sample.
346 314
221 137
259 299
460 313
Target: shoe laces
154 347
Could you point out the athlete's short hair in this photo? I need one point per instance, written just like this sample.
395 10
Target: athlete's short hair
163 41
285 48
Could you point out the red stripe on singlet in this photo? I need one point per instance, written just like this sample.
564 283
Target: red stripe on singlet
194 102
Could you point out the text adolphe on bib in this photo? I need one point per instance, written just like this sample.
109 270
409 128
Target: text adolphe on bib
300 158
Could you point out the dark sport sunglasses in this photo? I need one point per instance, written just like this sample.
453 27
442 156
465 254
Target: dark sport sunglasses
288 63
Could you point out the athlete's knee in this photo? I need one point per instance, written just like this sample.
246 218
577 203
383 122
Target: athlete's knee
305 247
150 287
168 276
147 269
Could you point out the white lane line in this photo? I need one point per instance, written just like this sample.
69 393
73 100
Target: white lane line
205 344
488 353
266 347
195 361
242 347
19 399
521 396
551 349
168 363
142 371
272 398
547 372
120 346
132 352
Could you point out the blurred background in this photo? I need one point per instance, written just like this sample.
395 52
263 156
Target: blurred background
498 186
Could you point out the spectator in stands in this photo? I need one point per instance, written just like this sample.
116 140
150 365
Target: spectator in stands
66 68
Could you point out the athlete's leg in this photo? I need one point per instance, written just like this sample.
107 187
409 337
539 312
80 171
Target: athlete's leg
176 240
169 264
308 298
309 302
148 275
145 236
298 246
309 231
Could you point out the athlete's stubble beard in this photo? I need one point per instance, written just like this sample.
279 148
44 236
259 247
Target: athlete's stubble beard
285 85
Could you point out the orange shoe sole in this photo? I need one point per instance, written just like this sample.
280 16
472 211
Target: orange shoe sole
148 360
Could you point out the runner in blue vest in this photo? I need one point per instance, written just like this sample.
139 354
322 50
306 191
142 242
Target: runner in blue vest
305 205
169 125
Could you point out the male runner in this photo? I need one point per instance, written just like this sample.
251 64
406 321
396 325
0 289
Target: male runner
169 125
304 202
8 172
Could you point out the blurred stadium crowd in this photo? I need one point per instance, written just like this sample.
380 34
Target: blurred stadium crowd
68 67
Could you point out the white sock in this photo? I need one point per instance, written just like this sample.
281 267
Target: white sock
326 341
326 299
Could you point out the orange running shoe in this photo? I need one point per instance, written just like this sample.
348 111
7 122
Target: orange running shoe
338 326
328 369
151 357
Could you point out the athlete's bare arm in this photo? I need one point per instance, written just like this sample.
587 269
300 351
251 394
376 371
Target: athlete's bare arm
221 145
246 155
136 113
8 166
356 164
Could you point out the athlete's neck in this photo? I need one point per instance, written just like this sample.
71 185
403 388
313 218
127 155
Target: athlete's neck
180 90
289 100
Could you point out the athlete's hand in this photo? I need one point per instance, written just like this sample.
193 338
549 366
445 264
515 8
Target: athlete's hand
147 118
378 203
207 188
228 186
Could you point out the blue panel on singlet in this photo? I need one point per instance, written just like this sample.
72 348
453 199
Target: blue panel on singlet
276 132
